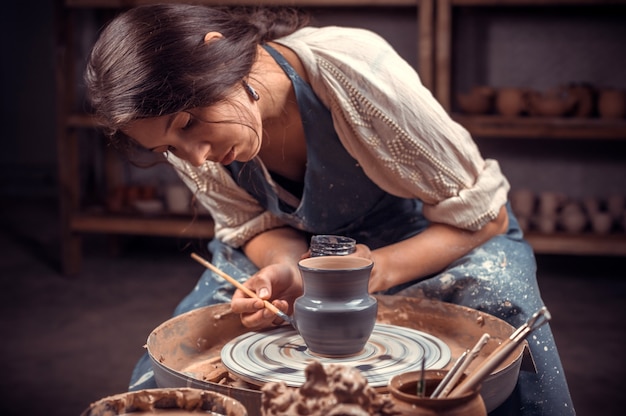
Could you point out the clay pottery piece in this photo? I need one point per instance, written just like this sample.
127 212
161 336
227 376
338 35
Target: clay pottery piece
612 104
479 100
550 202
336 314
170 401
511 101
601 222
546 224
615 205
592 205
403 392
555 102
585 99
573 218
523 202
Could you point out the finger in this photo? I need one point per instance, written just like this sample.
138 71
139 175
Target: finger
258 319
246 305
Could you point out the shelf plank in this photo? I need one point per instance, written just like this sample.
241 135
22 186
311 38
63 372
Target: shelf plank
583 244
297 3
536 2
137 225
543 127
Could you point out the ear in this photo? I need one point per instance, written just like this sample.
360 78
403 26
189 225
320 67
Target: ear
211 36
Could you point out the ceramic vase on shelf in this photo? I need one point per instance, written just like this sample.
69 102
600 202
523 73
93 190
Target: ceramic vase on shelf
555 102
479 100
511 102
612 104
403 393
336 314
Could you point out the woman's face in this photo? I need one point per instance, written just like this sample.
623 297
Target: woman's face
222 133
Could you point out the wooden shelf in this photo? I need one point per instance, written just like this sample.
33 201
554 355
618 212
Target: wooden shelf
537 128
535 2
299 3
543 127
143 225
580 244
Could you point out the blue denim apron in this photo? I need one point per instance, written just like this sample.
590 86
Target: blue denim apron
337 197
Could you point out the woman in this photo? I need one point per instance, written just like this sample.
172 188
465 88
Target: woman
283 131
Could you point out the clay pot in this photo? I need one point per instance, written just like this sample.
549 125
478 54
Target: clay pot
615 205
523 202
479 100
403 392
336 314
612 104
170 401
512 101
552 103
601 222
550 202
546 224
592 205
573 218
585 99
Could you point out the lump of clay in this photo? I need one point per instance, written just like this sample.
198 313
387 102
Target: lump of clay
333 390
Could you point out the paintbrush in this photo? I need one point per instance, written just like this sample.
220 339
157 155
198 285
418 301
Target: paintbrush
282 315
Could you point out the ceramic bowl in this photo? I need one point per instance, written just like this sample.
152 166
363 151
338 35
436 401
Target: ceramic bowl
174 401
403 392
479 100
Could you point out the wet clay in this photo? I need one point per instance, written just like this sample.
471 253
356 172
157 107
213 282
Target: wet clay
328 389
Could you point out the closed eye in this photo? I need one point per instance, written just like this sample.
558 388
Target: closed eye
190 122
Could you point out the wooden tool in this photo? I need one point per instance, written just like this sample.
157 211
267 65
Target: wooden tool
498 355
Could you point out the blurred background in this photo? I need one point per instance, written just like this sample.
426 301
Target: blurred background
95 249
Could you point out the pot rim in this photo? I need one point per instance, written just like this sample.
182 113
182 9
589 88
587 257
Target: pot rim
335 263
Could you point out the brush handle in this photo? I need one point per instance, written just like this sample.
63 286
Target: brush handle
241 287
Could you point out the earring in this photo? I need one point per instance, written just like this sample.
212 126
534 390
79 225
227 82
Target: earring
251 91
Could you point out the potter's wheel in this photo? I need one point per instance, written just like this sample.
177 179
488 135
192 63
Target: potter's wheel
280 354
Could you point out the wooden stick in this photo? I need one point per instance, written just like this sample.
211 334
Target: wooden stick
468 360
494 359
244 289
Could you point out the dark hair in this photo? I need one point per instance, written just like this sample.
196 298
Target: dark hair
152 60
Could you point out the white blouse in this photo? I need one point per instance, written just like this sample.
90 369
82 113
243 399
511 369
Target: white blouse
388 121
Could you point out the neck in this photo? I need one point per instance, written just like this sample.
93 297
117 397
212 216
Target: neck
283 149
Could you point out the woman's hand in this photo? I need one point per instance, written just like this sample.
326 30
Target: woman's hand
377 280
276 253
280 282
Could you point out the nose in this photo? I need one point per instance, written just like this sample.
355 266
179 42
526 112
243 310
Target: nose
192 154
